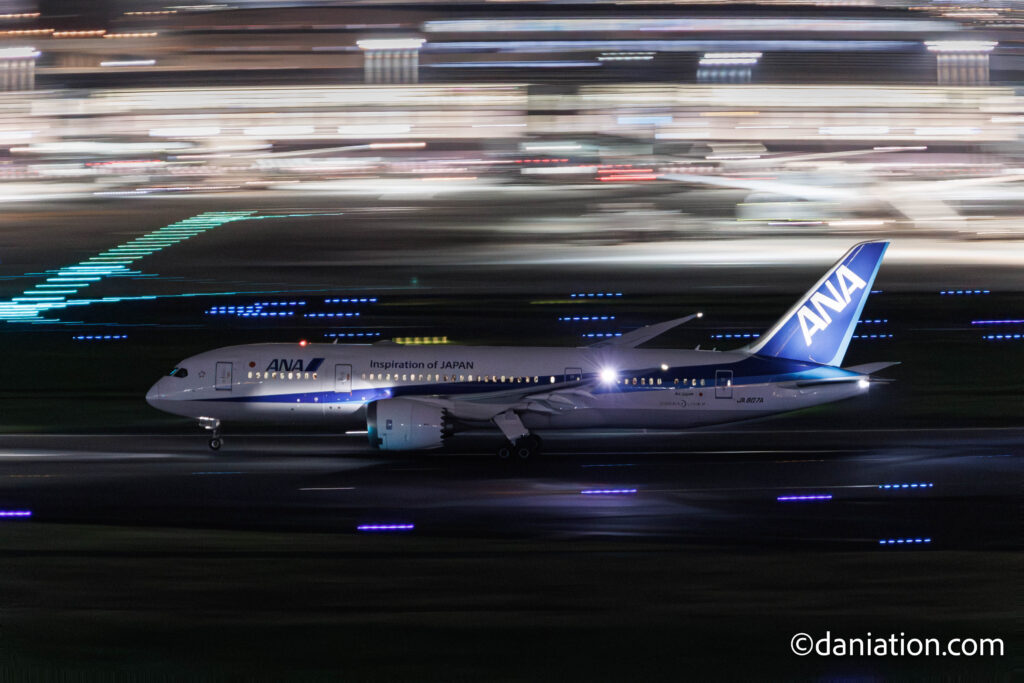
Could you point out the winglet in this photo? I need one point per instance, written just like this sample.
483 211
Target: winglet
819 327
646 333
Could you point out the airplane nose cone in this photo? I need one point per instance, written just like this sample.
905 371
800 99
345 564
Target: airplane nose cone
155 395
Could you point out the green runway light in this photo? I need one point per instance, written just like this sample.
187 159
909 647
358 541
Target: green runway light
27 308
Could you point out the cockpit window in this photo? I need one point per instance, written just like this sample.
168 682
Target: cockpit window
178 372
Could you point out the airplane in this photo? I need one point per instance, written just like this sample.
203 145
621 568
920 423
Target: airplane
410 397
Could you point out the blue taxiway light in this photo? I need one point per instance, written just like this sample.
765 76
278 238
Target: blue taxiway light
351 334
385 527
912 485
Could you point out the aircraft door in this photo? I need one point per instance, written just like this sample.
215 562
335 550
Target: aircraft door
343 379
573 374
222 380
723 384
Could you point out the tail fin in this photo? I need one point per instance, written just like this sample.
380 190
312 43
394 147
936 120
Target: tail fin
818 328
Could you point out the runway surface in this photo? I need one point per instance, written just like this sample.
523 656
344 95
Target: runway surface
682 553
953 489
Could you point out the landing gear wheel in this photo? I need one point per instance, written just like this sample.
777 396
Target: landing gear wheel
215 443
505 452
528 447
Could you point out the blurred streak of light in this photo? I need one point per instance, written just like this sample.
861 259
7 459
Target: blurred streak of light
961 45
690 24
946 130
390 43
764 45
89 148
559 170
279 131
129 62
514 65
18 53
92 33
373 130
783 251
185 131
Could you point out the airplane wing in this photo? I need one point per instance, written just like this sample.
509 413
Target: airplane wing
481 407
648 332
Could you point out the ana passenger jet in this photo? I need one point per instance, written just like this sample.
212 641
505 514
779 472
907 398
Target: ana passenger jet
415 397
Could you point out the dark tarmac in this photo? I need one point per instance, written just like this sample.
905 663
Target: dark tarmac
732 487
149 556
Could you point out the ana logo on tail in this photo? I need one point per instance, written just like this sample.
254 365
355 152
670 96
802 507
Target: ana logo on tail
818 320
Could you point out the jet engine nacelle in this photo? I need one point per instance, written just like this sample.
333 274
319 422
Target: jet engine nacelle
400 424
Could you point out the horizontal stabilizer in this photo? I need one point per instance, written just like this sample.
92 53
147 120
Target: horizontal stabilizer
871 368
644 334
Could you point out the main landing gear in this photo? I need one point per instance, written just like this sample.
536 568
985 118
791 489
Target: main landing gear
521 444
526 448
212 425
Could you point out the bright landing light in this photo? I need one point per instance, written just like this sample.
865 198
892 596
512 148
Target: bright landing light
609 376
863 384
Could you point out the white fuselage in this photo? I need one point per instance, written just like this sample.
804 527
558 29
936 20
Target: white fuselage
553 388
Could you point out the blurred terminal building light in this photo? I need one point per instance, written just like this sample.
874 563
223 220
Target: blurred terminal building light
111 43
248 88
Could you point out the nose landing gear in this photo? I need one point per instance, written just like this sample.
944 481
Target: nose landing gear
212 425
